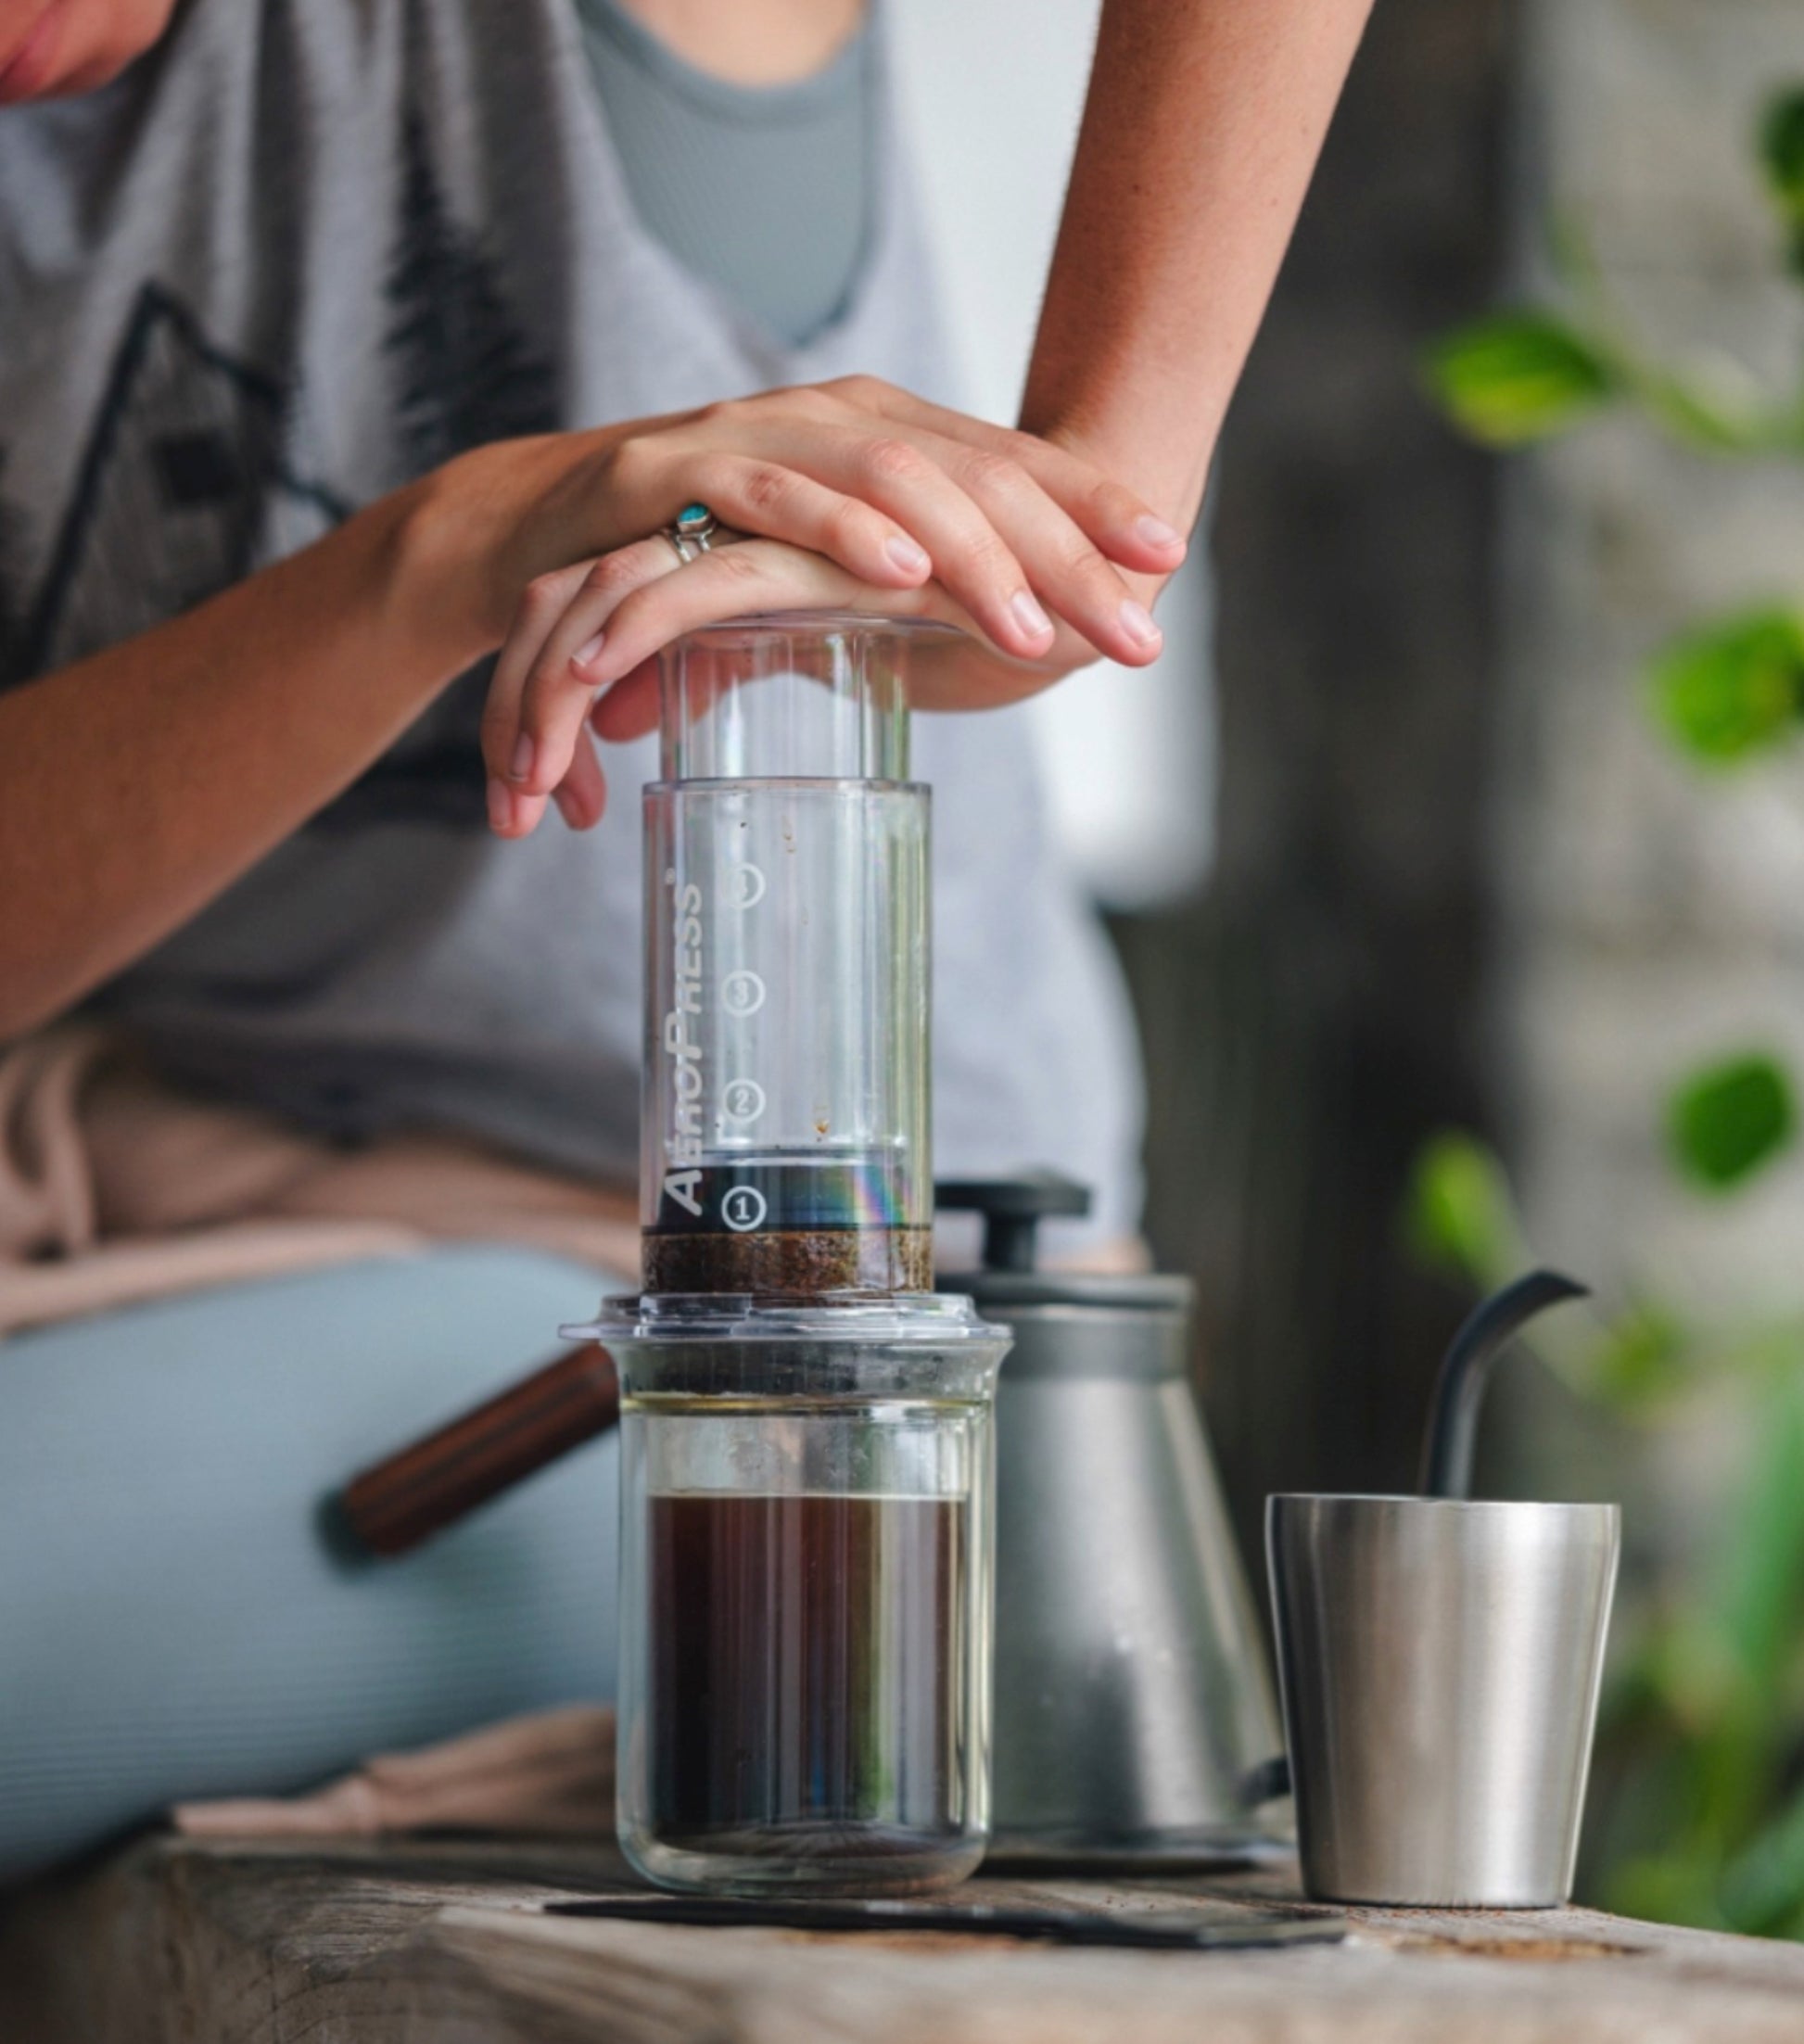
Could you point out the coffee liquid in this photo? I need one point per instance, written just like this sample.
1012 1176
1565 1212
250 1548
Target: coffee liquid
807 1679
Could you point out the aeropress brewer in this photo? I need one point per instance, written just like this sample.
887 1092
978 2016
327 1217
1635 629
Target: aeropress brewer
806 1587
806 1425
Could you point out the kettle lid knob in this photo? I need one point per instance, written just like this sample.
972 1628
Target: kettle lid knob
1012 1210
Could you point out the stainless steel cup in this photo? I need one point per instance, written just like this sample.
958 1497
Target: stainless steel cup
1440 1663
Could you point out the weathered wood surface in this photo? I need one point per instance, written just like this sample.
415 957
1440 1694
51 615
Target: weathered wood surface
405 1943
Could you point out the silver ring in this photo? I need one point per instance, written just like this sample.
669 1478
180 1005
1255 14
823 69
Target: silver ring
691 533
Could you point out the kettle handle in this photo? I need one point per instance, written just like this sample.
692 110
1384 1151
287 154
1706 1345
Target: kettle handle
392 1506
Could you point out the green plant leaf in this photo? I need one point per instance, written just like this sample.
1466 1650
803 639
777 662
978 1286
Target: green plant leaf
1733 688
1665 1889
1763 1886
1642 1358
1712 405
1727 1121
1519 377
1751 1597
1781 149
1759 1587
1459 1215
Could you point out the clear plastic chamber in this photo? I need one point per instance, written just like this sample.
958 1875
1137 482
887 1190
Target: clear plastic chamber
786 1103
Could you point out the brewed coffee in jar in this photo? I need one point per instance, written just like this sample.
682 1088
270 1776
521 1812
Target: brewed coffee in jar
805 1562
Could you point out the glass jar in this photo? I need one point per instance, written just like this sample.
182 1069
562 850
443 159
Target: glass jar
805 1592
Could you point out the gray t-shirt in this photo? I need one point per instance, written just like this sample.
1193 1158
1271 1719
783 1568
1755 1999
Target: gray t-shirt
303 251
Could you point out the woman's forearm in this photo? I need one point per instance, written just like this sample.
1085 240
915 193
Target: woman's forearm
137 784
1201 131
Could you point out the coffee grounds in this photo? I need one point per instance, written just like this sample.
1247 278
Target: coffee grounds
799 1261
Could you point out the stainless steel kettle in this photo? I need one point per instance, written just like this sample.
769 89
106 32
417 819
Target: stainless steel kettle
1133 1705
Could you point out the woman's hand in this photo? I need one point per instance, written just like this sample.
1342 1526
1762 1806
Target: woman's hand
1024 539
547 688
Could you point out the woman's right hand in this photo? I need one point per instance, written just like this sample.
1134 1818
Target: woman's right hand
1022 535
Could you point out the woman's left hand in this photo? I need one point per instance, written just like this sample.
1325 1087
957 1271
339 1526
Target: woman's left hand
647 599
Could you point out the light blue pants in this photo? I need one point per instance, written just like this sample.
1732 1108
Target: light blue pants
172 1624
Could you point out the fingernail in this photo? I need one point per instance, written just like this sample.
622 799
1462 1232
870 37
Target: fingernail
589 652
1137 622
521 765
902 549
501 804
1156 532
1028 615
566 807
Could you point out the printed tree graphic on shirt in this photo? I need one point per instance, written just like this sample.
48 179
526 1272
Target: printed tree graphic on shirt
468 375
185 481
12 578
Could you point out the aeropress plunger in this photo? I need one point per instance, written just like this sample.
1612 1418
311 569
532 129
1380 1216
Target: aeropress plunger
806 1425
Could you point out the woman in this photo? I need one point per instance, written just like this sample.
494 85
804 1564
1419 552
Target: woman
343 346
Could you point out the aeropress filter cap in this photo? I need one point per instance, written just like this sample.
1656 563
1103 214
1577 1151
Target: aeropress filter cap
939 1319
927 1345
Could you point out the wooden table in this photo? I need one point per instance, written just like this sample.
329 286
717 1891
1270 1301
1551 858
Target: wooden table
447 1943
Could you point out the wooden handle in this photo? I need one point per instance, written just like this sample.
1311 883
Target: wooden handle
408 1496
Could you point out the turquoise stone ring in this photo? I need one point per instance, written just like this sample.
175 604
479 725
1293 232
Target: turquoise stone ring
691 533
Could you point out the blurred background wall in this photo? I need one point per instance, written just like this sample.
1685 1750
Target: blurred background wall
1387 840
1393 842
1312 1000
1130 752
1320 1009
1650 921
